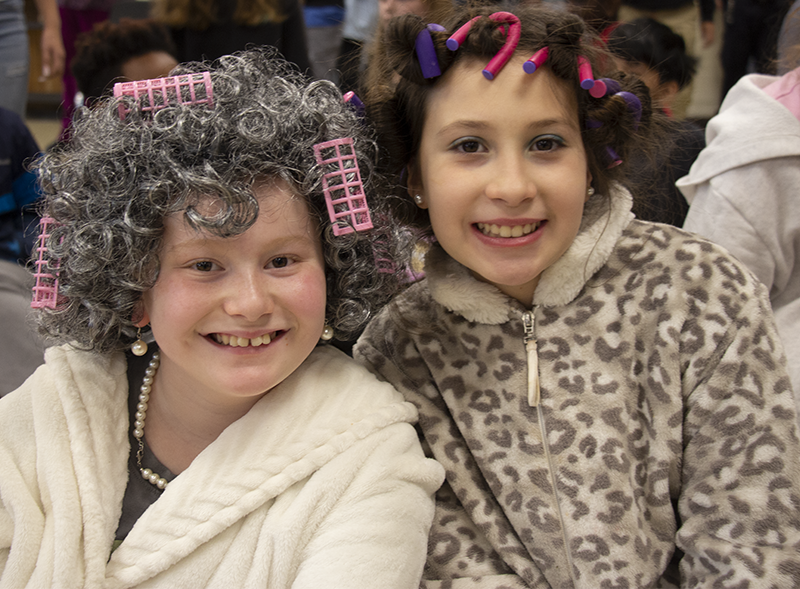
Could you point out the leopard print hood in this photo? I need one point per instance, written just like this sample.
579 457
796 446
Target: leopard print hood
604 220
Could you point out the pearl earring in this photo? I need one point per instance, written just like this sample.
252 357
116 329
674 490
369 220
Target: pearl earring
590 191
139 347
418 199
327 333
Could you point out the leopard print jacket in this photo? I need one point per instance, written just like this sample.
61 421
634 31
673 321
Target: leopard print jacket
663 450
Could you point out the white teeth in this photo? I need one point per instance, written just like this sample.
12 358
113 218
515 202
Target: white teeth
241 342
507 230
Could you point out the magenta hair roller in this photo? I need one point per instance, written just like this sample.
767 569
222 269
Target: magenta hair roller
153 95
457 38
536 60
342 186
45 289
505 53
585 73
426 51
512 40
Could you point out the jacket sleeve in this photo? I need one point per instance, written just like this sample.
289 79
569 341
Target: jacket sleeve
740 493
375 532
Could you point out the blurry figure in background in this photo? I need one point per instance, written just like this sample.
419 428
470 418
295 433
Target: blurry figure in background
14 58
20 350
601 15
743 192
324 20
683 17
656 54
121 52
208 29
360 20
77 17
789 40
751 38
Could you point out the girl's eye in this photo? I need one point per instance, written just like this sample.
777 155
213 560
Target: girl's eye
468 146
204 266
280 262
547 143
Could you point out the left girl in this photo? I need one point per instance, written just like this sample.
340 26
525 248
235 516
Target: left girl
235 451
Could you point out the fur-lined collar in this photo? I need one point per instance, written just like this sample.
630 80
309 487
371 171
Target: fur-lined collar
453 285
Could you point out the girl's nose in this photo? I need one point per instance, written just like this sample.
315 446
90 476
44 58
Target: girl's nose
511 181
249 297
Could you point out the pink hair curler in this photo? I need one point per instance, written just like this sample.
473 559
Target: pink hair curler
342 186
45 289
153 95
599 89
536 60
585 73
505 53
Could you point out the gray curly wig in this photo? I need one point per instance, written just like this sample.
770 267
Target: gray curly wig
111 187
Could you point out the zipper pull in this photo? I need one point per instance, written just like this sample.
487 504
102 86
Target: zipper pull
533 359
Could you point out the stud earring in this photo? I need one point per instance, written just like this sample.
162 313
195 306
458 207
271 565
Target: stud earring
139 347
327 333
418 199
590 191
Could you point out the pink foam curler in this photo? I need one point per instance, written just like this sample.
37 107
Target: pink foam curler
457 38
599 89
536 60
342 186
45 289
153 95
585 73
505 53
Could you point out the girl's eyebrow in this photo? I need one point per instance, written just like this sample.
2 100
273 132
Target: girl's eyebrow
478 125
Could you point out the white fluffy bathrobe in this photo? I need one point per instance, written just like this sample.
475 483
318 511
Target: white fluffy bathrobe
321 484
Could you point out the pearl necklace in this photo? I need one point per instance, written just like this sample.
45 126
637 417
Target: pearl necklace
138 424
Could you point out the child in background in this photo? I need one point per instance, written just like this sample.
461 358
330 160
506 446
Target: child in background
233 450
121 52
609 397
651 50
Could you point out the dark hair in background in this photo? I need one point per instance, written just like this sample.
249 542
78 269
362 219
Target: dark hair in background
112 185
654 44
397 92
101 53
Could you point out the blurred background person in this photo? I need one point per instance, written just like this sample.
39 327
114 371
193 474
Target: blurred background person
14 58
208 29
743 192
656 54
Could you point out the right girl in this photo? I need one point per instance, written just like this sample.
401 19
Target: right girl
609 397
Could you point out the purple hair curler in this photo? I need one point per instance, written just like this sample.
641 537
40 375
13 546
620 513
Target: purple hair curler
536 60
426 51
634 106
342 186
512 39
585 73
153 95
613 157
353 100
45 289
612 86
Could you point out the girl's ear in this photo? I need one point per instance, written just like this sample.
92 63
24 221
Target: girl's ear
140 317
414 186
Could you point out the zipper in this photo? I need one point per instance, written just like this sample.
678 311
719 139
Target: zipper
534 396
533 359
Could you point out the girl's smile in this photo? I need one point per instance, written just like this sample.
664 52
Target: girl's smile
502 170
235 316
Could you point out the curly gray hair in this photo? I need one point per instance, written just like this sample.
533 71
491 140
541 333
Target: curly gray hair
110 188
